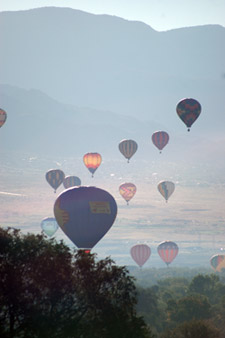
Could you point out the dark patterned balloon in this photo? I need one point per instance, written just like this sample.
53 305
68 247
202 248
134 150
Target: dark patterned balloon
188 111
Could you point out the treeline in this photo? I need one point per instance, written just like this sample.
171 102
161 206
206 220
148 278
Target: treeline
47 290
179 307
149 277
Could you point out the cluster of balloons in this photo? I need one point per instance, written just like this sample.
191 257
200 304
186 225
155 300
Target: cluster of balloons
167 251
55 177
188 110
85 214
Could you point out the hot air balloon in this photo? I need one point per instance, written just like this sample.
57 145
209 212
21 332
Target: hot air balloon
92 161
160 139
3 117
55 177
71 181
188 111
127 191
128 148
166 188
85 214
140 253
49 226
218 262
168 251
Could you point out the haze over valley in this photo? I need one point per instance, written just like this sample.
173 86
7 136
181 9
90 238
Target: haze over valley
74 82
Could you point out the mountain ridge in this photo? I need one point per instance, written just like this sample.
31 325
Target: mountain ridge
109 63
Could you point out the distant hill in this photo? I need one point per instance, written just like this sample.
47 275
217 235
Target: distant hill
111 64
38 123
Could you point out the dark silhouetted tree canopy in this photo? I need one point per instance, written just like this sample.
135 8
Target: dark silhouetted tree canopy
48 291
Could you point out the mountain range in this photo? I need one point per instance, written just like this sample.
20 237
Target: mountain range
71 78
108 63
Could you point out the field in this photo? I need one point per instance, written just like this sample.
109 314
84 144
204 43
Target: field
194 216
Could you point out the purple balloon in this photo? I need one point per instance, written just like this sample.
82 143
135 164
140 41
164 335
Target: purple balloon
85 214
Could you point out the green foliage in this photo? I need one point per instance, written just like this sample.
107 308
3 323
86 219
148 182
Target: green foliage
148 307
150 277
179 300
193 329
209 286
48 291
189 308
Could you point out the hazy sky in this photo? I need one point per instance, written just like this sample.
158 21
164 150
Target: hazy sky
159 14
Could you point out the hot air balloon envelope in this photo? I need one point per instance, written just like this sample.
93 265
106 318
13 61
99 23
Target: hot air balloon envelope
3 117
166 188
49 226
140 253
127 191
55 177
92 161
85 214
218 262
188 111
128 148
168 250
71 181
160 139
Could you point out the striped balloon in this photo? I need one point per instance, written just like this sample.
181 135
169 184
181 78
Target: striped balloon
55 177
218 262
128 148
168 250
140 253
92 161
71 181
166 188
3 117
160 139
188 111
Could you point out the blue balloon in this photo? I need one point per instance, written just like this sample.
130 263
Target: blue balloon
85 214
49 226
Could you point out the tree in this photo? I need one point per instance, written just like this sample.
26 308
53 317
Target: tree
193 329
147 307
48 291
189 308
208 285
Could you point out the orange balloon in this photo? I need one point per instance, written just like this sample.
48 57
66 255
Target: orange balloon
92 161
